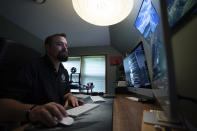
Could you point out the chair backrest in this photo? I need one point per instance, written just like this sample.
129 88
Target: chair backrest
12 56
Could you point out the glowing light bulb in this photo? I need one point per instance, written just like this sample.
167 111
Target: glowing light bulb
103 12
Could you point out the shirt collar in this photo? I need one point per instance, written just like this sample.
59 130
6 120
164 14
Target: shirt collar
50 64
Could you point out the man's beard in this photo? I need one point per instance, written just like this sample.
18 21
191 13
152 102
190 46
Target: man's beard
62 56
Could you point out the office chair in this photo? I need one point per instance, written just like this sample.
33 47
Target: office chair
12 56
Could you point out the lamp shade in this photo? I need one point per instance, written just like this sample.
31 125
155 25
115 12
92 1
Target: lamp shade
103 12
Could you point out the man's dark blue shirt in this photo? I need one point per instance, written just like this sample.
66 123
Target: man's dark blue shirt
38 82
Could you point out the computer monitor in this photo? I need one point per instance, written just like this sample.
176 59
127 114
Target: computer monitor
163 73
160 52
135 67
178 9
183 37
147 20
136 71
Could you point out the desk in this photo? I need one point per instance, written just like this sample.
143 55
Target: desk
127 116
99 119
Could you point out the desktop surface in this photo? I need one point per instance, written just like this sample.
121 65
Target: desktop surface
98 119
127 116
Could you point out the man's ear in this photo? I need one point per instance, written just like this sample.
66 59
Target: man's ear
47 46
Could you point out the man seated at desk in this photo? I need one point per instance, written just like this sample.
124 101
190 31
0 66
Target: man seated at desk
43 91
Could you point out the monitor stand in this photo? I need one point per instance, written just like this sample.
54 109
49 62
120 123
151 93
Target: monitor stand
141 91
158 118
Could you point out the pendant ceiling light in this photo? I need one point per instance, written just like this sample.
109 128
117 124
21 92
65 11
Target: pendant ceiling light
103 12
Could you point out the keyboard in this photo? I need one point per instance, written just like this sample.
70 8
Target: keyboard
76 111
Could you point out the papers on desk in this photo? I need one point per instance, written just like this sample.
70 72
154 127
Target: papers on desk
81 96
97 99
133 98
152 118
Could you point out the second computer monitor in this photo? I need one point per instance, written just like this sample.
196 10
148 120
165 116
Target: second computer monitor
135 67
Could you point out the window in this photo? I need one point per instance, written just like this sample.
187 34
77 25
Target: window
72 62
92 69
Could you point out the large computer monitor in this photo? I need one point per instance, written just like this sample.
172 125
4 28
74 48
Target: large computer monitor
182 17
163 60
162 70
163 78
136 71
163 73
135 67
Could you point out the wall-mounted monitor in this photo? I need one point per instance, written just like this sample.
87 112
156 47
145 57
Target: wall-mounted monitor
147 20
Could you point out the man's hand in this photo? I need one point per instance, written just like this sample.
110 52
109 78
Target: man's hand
73 100
49 114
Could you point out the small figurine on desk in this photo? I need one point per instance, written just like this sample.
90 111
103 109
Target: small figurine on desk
89 86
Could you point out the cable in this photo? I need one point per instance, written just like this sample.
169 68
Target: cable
187 98
186 122
40 1
190 126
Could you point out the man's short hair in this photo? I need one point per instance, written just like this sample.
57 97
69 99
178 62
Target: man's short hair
49 39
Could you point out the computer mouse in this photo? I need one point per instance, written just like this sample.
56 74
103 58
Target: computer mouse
67 121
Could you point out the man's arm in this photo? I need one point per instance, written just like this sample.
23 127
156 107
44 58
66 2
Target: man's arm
49 114
12 110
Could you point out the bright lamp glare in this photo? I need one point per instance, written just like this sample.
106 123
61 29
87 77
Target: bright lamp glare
103 12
